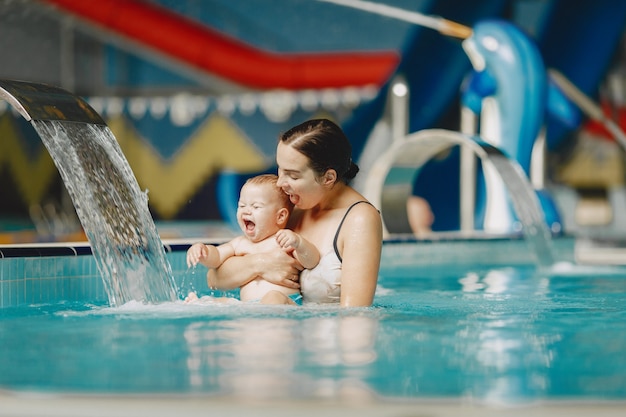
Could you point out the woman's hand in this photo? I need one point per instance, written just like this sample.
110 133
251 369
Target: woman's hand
281 269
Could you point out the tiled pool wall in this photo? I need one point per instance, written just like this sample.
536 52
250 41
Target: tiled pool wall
52 274
404 253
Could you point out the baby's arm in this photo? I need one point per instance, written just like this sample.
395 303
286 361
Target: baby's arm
209 255
303 250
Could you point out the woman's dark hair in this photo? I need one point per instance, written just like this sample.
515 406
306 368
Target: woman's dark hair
326 146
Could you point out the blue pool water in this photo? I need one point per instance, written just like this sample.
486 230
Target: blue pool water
482 329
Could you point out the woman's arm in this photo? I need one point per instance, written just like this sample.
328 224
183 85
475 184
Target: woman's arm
307 253
276 267
360 246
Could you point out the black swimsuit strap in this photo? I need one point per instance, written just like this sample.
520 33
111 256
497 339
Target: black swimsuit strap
341 224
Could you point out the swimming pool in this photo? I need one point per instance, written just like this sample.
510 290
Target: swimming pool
455 323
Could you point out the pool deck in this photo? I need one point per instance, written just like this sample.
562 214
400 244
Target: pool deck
38 404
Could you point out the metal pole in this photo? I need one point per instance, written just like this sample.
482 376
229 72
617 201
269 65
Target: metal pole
399 109
538 161
467 181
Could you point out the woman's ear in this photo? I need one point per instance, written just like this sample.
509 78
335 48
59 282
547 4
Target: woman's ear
282 216
329 177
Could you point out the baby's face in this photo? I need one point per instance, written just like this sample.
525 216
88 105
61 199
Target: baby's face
257 212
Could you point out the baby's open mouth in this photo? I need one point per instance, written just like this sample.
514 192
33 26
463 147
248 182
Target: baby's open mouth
249 225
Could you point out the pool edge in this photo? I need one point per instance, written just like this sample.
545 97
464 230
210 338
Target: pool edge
17 404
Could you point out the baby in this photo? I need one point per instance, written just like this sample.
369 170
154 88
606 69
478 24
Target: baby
262 214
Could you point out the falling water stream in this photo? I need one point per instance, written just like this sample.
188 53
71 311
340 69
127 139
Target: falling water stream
112 209
527 207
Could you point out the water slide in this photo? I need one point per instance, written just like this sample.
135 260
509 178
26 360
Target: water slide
434 66
571 33
182 39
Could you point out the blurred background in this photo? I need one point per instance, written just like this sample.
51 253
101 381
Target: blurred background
198 90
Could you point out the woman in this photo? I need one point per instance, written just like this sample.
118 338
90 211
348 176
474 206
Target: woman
314 169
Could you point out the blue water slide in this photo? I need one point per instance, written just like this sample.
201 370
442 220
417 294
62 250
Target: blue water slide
434 67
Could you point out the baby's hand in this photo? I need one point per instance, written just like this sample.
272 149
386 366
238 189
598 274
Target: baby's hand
287 239
195 253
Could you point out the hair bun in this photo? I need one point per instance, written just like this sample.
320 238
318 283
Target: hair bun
352 171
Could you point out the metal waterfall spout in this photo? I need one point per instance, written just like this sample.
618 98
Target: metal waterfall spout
110 205
389 184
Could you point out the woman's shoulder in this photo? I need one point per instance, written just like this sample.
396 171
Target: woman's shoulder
364 208
355 201
359 209
364 220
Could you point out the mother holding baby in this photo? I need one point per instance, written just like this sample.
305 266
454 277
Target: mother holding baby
314 168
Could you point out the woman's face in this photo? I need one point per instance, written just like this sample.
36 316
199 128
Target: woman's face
296 178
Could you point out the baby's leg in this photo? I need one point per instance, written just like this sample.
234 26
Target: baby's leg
276 297
192 297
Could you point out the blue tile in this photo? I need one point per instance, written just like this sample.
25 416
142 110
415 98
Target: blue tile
18 267
4 293
50 279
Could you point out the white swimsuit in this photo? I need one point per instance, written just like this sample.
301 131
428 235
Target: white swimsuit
322 284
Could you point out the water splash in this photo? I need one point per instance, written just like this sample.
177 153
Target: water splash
112 209
186 286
